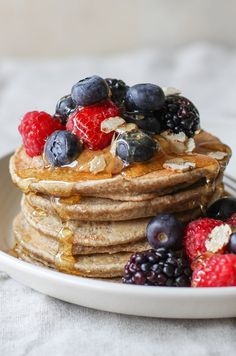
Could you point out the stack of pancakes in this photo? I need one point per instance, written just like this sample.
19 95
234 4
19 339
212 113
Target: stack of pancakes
89 224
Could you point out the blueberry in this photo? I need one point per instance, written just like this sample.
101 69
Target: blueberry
90 91
62 147
222 209
118 90
65 106
232 243
164 230
135 146
146 121
144 97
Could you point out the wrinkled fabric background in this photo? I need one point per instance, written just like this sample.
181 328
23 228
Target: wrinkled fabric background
34 324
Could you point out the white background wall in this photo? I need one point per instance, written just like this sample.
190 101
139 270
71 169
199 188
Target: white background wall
71 27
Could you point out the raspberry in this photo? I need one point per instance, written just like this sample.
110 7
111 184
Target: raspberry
232 220
160 267
216 271
195 236
35 127
86 124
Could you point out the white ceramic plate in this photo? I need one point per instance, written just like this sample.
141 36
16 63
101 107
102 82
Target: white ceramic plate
114 297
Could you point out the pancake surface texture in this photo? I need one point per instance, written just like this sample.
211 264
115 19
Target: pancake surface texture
34 175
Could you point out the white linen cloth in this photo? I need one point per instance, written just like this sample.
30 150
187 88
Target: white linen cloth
35 324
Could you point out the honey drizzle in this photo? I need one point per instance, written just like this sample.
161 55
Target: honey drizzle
39 213
64 259
114 165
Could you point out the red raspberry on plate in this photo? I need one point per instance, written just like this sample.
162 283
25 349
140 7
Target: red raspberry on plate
217 271
232 220
196 234
35 127
198 262
86 124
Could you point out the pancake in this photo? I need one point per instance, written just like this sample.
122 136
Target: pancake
86 233
96 234
87 261
98 209
88 224
33 238
32 175
95 265
110 266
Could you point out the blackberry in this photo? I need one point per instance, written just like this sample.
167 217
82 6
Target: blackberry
118 90
179 114
160 267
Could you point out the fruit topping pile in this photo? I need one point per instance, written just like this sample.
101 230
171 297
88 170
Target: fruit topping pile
99 112
200 254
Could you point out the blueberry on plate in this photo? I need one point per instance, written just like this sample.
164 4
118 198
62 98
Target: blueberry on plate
164 230
222 209
144 97
65 106
232 243
146 121
62 147
135 146
118 90
90 91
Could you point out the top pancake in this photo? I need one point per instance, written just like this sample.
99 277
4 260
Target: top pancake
32 175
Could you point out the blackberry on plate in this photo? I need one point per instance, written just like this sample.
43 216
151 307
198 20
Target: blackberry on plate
135 146
161 267
179 115
147 121
165 230
222 209
118 90
144 97
62 147
90 91
65 106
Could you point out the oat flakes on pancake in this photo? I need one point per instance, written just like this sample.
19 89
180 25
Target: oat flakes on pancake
30 174
98 209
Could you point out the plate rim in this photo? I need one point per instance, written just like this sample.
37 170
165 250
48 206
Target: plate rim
79 281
